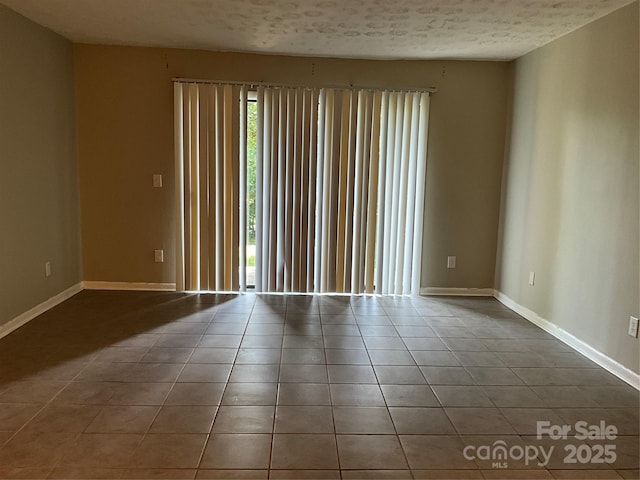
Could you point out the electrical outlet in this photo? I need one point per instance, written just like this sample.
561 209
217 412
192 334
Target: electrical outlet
633 327
47 269
158 256
451 261
532 278
157 180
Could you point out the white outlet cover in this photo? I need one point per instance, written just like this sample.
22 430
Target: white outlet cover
158 256
532 278
157 180
633 327
451 261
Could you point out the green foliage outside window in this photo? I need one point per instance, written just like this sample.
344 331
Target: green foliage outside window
251 175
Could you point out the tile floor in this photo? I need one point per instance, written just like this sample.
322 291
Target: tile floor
164 385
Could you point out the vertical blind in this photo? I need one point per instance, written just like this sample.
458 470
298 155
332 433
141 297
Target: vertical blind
340 178
210 150
286 152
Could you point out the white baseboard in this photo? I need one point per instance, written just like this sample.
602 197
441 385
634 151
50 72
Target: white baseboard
138 286
458 292
606 362
39 309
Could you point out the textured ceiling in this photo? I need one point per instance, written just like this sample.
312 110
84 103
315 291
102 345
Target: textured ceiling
416 29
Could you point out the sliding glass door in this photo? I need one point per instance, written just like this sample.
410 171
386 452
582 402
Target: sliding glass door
295 189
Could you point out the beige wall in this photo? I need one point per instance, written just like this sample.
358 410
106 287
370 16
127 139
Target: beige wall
39 180
570 194
125 134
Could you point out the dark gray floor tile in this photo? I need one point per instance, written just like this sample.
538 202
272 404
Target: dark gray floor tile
304 451
363 420
303 373
435 358
250 394
447 376
244 419
399 375
421 421
391 357
494 376
409 396
443 452
525 420
513 396
304 394
356 395
370 452
304 419
237 451
479 421
461 396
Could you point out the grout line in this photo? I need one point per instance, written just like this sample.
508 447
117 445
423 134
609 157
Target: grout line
45 406
224 389
397 436
160 406
333 419
275 407
175 382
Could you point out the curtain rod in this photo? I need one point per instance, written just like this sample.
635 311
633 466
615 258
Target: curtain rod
280 85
